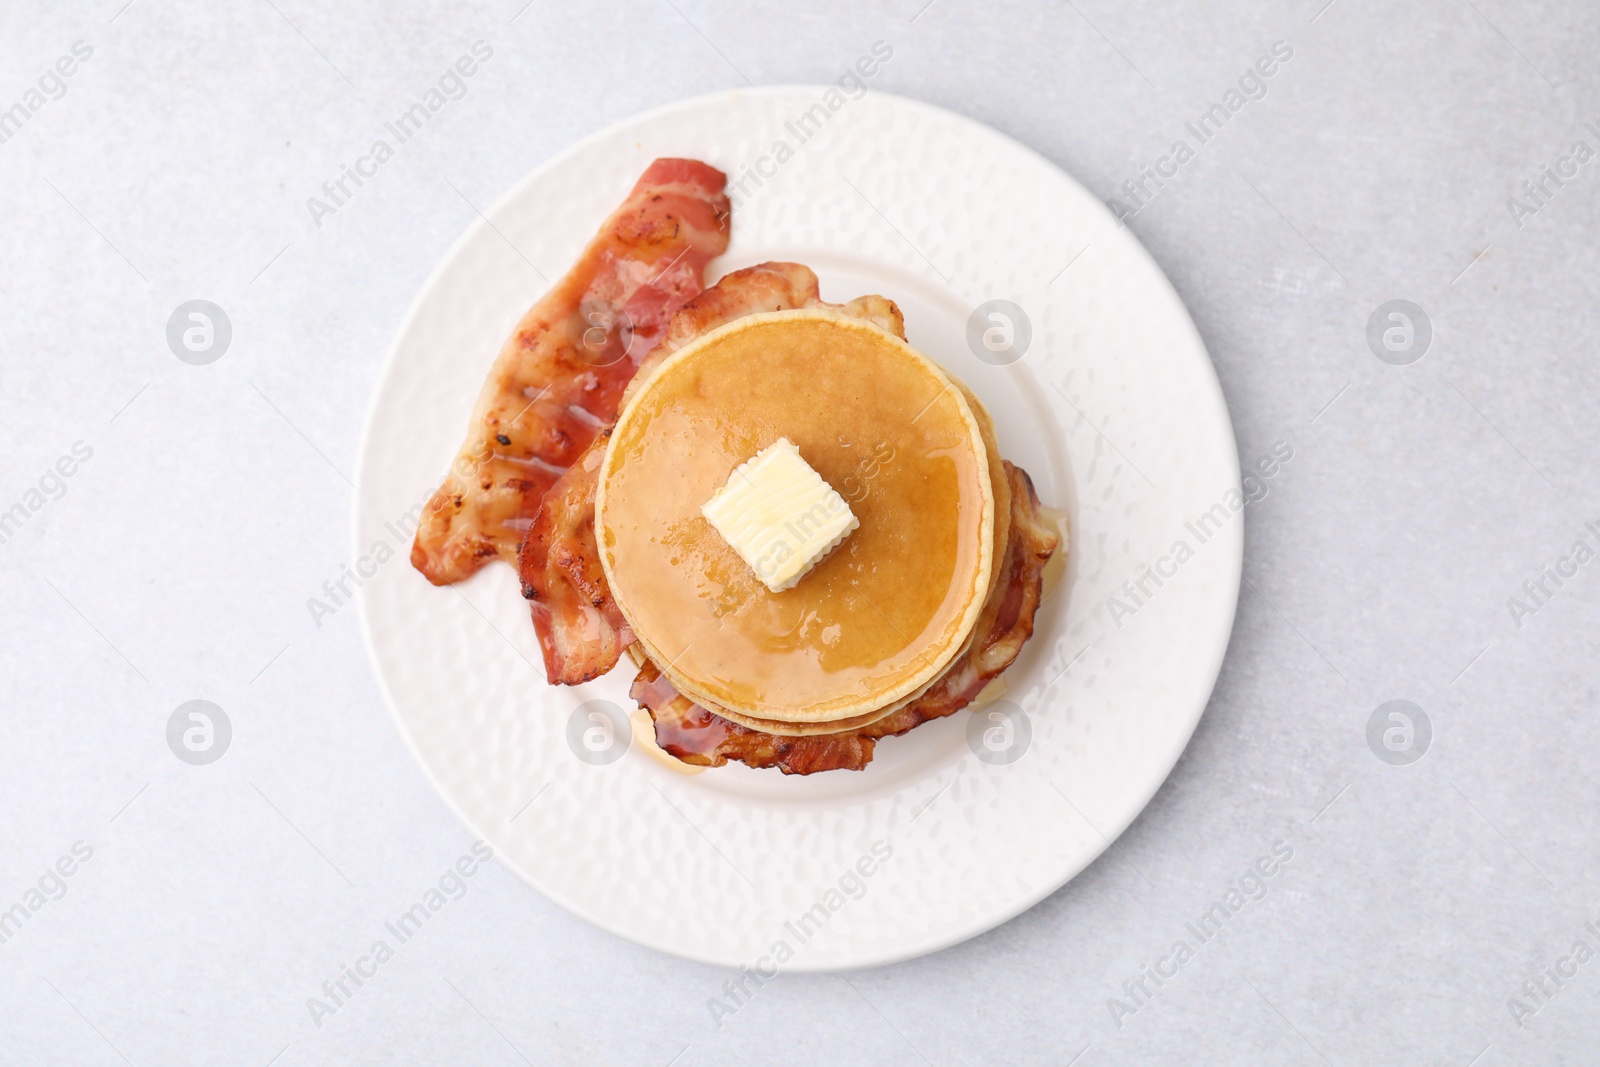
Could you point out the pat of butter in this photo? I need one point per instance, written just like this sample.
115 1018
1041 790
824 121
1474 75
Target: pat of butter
779 515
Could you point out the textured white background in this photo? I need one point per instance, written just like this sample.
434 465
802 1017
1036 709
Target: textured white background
1418 901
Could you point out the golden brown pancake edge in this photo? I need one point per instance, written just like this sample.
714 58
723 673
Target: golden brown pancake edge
961 412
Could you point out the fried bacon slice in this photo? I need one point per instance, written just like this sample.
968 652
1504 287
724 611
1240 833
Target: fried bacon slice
581 631
697 736
560 377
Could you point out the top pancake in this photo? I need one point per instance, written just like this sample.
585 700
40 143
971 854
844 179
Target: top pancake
875 621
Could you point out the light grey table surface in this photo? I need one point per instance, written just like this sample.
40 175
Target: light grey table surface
174 563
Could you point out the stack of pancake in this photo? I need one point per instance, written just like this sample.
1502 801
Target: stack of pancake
888 612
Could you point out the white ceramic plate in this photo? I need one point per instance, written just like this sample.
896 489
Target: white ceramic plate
1113 408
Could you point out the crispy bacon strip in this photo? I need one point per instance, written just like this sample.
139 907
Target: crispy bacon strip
581 631
559 378
697 736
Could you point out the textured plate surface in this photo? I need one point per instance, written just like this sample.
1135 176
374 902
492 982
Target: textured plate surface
1112 406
